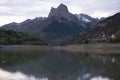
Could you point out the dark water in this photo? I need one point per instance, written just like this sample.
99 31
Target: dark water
58 65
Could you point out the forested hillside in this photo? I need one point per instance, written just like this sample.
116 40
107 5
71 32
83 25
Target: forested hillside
12 37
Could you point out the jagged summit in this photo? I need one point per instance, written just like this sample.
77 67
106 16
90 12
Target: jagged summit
61 10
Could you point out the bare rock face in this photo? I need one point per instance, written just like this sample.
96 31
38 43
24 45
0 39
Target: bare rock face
61 10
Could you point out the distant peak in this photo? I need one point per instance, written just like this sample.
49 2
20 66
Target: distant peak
53 8
62 6
61 9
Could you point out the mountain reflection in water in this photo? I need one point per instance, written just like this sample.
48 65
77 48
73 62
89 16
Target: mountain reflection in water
58 65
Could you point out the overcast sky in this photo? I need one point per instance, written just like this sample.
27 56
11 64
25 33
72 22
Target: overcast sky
20 10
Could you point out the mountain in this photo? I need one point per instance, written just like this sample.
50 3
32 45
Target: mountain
26 26
60 26
12 37
88 20
103 31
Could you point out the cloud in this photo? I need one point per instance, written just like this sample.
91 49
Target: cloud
99 14
37 8
92 7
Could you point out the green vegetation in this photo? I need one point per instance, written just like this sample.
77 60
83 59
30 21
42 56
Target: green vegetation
115 40
85 41
11 37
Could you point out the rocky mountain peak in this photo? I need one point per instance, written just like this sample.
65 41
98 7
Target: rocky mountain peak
61 10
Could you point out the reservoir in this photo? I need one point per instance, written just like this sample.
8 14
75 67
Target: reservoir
58 65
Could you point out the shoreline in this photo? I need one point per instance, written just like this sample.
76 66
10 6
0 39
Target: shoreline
96 48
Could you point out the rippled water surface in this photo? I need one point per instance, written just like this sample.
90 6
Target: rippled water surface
58 65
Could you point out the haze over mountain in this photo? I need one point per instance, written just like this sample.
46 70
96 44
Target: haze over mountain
59 26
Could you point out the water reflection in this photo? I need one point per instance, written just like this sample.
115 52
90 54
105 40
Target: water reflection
99 78
58 65
5 75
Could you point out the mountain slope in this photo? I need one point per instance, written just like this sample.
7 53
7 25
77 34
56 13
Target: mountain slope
104 30
26 26
88 20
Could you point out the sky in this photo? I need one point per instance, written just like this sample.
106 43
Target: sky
20 10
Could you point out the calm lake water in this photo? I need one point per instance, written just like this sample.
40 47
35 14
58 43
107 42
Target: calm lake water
58 65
